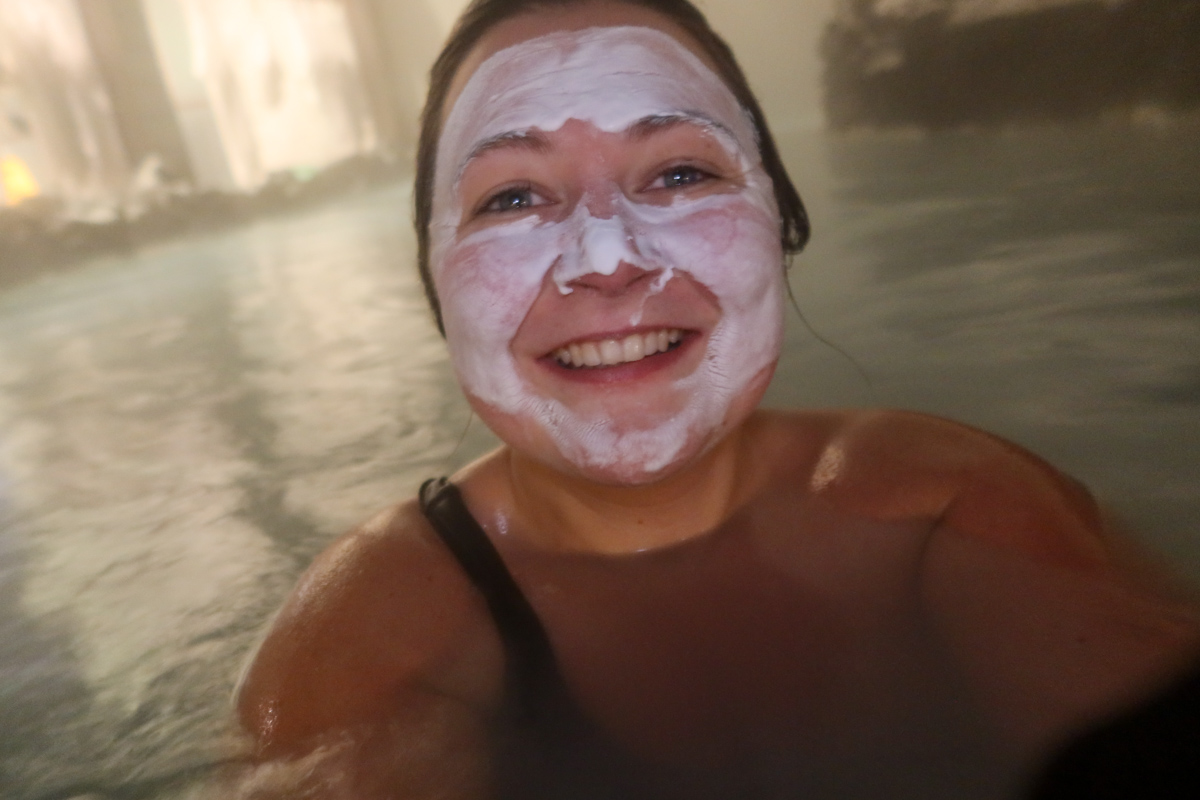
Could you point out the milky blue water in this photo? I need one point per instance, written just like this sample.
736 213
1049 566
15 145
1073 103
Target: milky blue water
182 429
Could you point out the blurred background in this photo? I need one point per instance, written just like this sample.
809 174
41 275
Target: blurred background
215 354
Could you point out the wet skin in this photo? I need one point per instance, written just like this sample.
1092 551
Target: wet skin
950 573
895 522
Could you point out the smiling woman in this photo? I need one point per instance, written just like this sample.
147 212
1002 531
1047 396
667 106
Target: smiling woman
626 254
652 589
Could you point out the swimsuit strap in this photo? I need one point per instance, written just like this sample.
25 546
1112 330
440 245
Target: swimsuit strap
532 666
549 750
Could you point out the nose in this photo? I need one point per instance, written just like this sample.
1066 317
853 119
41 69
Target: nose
600 203
623 279
600 254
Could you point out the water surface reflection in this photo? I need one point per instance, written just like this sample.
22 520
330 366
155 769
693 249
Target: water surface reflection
183 429
1044 284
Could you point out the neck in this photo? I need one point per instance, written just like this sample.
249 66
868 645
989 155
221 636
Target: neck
568 512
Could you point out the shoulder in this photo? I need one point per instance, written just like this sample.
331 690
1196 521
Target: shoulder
900 465
855 450
384 609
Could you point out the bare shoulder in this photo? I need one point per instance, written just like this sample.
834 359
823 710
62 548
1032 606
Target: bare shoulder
899 465
853 449
384 611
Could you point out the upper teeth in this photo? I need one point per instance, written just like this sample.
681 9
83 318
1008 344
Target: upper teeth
605 352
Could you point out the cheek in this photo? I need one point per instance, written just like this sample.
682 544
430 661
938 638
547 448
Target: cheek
473 289
732 249
487 287
713 230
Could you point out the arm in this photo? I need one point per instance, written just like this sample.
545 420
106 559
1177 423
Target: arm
1022 580
1054 623
378 677
434 748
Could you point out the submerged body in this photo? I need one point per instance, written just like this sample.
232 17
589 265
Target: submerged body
877 617
736 602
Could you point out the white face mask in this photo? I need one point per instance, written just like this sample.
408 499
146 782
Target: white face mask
488 278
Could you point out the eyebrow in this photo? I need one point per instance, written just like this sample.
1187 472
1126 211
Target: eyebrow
640 130
648 126
524 140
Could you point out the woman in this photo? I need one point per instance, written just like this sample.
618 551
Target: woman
654 589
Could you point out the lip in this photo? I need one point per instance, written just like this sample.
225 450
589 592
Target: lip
628 371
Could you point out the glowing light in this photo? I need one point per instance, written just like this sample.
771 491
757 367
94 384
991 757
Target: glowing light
17 181
68 134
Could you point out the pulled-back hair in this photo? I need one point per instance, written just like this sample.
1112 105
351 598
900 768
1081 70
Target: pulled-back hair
483 15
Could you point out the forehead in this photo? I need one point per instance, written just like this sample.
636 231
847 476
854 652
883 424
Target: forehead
612 77
524 27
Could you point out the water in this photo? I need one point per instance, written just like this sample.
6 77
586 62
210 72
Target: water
183 429
1041 284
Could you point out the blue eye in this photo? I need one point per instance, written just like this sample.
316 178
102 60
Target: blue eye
675 177
517 198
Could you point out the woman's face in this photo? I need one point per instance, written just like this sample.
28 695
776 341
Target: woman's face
605 245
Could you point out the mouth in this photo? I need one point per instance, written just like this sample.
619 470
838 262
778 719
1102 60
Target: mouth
611 352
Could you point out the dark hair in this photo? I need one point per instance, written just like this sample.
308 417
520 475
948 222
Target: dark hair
482 15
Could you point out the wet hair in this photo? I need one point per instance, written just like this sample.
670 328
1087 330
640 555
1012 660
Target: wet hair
483 15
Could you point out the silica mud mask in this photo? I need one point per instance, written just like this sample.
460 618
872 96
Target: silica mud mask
488 278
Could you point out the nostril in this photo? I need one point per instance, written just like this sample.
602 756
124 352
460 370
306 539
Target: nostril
624 278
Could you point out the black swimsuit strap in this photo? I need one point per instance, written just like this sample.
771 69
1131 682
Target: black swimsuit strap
550 750
532 666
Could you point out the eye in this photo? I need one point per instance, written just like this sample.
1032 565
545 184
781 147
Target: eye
679 176
514 198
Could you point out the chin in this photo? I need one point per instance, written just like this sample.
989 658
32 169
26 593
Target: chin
636 457
598 448
646 456
597 452
635 472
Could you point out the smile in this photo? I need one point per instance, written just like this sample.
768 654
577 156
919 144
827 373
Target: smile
610 352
